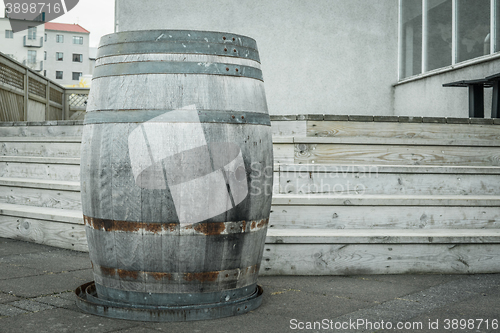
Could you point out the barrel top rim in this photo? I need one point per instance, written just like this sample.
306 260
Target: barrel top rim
210 32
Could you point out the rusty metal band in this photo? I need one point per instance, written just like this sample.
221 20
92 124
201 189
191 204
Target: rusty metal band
168 282
208 116
158 36
172 67
88 300
201 228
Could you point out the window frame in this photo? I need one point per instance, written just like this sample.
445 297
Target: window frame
31 55
79 76
32 33
62 56
59 72
494 21
59 38
9 34
80 57
78 38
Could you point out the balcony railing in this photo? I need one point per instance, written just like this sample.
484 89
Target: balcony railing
29 96
35 42
37 66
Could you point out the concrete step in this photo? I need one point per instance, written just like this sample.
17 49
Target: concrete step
386 179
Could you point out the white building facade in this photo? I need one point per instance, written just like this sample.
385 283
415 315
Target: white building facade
357 57
66 53
26 47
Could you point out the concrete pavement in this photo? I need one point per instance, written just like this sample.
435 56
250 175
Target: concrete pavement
37 286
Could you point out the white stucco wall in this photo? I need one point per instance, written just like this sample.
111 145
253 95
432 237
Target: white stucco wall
318 56
427 97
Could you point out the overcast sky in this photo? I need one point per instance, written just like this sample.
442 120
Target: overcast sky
97 16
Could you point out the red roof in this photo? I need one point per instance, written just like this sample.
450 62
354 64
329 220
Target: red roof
65 27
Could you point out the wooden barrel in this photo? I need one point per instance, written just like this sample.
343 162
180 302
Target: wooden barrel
176 174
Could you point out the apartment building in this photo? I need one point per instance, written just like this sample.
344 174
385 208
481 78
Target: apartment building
26 46
66 53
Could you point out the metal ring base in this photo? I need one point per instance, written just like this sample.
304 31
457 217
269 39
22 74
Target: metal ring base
88 301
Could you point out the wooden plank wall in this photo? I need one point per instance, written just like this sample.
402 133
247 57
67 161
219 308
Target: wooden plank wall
26 95
11 106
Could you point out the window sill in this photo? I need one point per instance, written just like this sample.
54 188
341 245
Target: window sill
463 64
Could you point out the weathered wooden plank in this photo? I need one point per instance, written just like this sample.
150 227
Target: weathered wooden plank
175 91
366 170
394 141
384 217
42 213
41 131
393 154
41 139
289 128
41 184
374 182
40 171
36 111
126 195
40 197
443 134
385 200
339 217
283 153
11 105
62 235
342 259
40 160
383 236
43 149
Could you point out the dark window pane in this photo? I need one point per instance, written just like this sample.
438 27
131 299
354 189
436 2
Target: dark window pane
439 34
473 27
411 20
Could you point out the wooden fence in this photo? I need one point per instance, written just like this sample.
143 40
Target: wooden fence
28 96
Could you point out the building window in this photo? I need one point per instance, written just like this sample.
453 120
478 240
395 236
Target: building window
9 34
31 32
77 40
473 29
77 57
76 76
44 55
44 72
440 33
45 38
31 57
59 38
59 75
59 56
